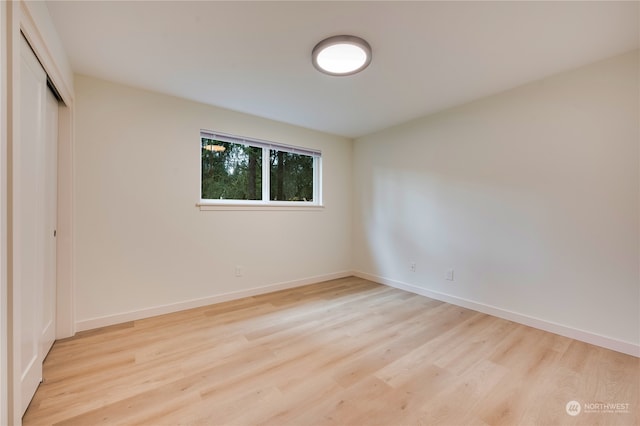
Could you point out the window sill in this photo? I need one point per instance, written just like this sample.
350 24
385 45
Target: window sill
206 205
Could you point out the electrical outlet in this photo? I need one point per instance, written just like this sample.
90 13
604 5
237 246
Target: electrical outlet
238 271
449 275
412 266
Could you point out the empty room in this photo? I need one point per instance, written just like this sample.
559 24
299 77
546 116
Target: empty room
320 213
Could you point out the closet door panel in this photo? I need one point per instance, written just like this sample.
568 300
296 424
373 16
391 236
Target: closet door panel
28 224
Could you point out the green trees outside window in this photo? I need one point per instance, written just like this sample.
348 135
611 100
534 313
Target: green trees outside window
291 176
231 171
234 171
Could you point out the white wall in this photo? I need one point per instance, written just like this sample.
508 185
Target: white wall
142 243
531 196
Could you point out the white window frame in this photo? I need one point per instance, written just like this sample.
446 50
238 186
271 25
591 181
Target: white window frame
265 203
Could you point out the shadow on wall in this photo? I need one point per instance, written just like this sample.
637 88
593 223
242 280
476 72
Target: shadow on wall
434 220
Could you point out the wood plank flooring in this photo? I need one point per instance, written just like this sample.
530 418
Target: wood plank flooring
347 352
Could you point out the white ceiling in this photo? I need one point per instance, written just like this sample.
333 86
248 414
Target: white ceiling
255 57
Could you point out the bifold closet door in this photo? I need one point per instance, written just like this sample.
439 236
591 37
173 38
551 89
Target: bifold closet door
34 176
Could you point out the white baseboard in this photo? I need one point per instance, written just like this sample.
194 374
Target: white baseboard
107 320
562 330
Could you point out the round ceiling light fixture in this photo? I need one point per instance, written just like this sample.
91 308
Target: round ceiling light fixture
341 55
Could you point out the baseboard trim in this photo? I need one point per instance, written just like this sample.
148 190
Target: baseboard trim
108 320
573 333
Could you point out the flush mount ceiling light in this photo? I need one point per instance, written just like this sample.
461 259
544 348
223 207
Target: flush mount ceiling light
341 55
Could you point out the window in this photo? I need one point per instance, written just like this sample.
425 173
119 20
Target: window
237 170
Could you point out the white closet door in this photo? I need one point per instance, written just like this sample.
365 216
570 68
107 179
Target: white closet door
29 228
50 216
34 157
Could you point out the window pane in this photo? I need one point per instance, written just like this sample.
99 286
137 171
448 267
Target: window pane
230 171
291 176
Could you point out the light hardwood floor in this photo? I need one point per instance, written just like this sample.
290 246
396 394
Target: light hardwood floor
347 352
